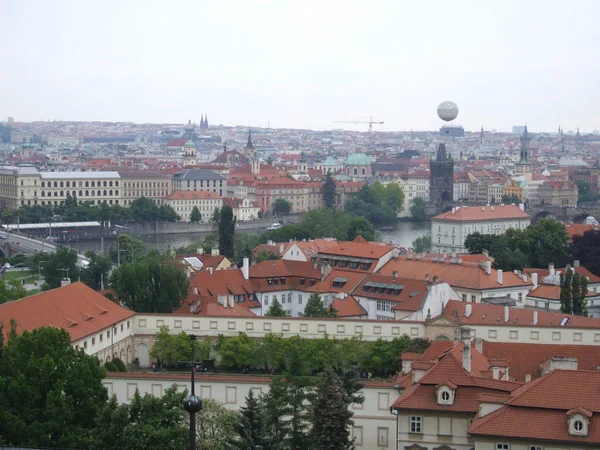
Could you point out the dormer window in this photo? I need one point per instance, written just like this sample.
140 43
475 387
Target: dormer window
445 393
579 421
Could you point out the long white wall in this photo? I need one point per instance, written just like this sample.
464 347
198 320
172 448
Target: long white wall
373 422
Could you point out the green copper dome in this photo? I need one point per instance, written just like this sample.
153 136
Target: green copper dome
358 159
190 144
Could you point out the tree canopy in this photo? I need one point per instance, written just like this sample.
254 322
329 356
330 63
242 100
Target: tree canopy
359 226
195 216
418 209
227 232
329 191
275 310
537 246
50 393
315 308
156 284
573 293
422 244
281 206
378 203
58 265
586 249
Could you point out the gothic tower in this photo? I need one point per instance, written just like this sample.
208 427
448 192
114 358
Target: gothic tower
524 166
189 154
249 149
441 177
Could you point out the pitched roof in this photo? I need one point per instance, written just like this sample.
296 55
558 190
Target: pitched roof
476 213
348 307
76 308
543 273
552 292
464 275
370 250
411 296
485 314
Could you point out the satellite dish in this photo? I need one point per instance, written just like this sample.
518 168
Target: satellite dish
447 111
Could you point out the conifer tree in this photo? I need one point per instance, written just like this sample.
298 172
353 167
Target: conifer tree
316 308
329 191
276 310
252 429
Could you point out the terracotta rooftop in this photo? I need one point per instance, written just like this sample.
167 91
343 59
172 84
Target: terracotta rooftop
193 195
76 308
369 250
478 213
348 307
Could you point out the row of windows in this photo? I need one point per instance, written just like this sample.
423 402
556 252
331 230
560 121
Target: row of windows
101 336
147 184
81 184
81 193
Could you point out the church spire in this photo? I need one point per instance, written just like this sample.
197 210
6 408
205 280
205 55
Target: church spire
206 121
249 145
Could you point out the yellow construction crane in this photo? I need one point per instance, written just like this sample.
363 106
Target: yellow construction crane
370 122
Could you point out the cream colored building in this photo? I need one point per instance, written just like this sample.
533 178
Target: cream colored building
140 183
183 202
243 208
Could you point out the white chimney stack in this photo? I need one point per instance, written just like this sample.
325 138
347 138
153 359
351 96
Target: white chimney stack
281 247
246 268
468 310
576 263
500 276
210 270
231 302
479 345
506 314
454 210
522 206
195 290
467 356
535 317
488 267
551 269
534 279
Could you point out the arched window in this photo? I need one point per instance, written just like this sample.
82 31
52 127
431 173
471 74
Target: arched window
355 171
68 184
116 183
43 184
117 192
104 192
87 184
62 184
56 193
87 193
80 184
55 184
364 171
62 193
104 184
99 192
43 194
80 193
110 192
93 184
110 183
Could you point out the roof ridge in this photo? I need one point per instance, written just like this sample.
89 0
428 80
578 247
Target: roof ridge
489 417
532 384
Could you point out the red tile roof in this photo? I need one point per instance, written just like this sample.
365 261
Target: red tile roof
543 273
177 142
477 213
485 314
369 250
552 292
77 308
348 307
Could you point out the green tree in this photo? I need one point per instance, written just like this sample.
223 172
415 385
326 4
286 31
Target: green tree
264 256
50 393
96 271
422 244
586 250
60 264
276 310
147 422
394 196
144 209
227 232
252 433
11 290
156 285
167 214
243 244
477 242
510 199
169 348
573 293
281 206
131 249
216 216
316 308
214 423
418 209
237 352
359 226
329 191
330 415
547 243
195 216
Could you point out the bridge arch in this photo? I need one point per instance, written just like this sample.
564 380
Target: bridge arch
581 217
543 215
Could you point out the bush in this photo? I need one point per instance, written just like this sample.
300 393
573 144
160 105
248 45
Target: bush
111 367
119 364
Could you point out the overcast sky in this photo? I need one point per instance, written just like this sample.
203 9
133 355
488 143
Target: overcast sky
303 64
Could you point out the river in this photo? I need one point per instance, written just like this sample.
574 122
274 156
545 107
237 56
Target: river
404 234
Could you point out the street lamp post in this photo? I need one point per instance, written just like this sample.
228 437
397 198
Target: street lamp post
40 270
192 403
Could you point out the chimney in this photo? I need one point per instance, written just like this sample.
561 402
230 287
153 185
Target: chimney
576 263
527 378
535 318
231 303
499 276
534 279
468 310
210 270
195 290
488 267
467 356
551 269
214 252
478 345
506 314
199 250
454 210
281 247
246 268
522 206
65 282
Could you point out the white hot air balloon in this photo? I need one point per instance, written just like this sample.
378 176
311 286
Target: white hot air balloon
447 111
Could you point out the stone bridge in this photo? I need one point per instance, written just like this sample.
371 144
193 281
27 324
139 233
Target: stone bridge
575 215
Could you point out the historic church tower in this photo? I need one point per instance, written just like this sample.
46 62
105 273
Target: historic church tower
524 166
249 149
189 154
441 183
